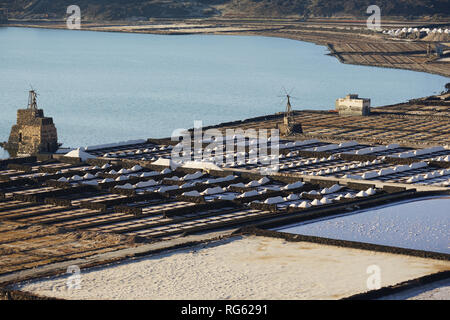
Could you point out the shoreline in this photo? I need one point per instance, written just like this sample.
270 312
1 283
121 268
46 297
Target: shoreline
333 36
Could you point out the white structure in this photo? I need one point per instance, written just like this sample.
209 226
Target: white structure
353 105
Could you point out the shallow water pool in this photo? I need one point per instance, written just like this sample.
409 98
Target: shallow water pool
421 224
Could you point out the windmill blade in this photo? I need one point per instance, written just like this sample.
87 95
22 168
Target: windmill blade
281 94
32 89
282 102
290 91
286 97
286 93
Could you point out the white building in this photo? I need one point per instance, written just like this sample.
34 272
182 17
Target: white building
353 105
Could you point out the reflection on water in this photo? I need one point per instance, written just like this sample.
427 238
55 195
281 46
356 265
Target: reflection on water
422 224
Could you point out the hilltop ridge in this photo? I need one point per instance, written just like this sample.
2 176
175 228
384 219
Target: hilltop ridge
106 10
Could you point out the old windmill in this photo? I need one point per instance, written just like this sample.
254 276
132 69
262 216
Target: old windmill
289 127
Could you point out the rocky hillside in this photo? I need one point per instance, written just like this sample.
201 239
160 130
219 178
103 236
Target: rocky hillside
146 9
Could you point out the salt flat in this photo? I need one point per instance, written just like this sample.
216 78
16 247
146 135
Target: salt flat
241 268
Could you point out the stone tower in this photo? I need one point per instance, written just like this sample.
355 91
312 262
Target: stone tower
33 132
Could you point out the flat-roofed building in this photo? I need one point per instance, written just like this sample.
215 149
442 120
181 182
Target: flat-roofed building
352 105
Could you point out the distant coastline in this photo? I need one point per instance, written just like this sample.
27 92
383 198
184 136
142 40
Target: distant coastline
324 33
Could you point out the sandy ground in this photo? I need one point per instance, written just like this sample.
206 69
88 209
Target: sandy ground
242 268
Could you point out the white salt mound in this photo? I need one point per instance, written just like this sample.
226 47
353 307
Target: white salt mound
274 200
193 193
248 194
78 153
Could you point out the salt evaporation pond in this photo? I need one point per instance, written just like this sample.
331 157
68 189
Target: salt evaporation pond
422 224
